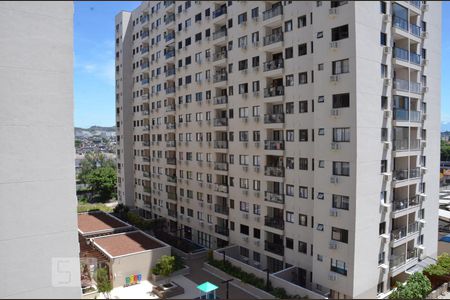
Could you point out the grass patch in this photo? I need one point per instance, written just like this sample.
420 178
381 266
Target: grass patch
85 207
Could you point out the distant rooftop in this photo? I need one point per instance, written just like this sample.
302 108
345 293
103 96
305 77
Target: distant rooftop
99 222
126 243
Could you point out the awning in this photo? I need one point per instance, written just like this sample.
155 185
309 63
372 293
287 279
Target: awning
207 287
421 265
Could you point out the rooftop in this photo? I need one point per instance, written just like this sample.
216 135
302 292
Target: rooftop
126 243
98 222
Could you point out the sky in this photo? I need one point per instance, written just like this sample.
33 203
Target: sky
94 62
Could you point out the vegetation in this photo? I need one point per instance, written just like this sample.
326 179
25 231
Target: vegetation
445 151
165 266
178 265
104 284
99 173
441 268
85 207
123 213
250 278
418 286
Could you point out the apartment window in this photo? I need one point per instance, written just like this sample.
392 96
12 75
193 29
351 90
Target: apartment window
288 26
320 34
302 247
256 136
301 21
303 106
242 42
244 230
242 18
289 135
320 67
289 190
303 135
289 80
382 7
338 266
341 168
337 3
243 206
303 163
303 78
289 163
243 88
255 111
302 49
255 37
255 86
340 202
231 225
289 217
243 112
255 61
383 38
256 233
340 66
243 136
341 100
339 33
380 287
243 64
289 243
383 166
384 71
340 235
303 192
302 220
288 53
290 108
255 12
341 134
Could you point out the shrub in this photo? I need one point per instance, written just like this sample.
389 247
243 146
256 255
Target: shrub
418 286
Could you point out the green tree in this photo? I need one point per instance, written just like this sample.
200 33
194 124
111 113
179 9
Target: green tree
103 182
104 285
445 151
92 161
166 266
418 286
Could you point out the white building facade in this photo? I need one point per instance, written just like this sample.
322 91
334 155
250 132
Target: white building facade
307 133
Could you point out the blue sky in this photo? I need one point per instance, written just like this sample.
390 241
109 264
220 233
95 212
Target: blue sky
94 62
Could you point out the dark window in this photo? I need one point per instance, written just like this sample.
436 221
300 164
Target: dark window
341 168
339 33
303 135
244 229
256 233
338 234
302 49
289 243
383 38
382 7
341 100
302 247
289 53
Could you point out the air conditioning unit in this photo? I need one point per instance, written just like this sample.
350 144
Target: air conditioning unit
386 18
245 119
244 46
257 243
334 45
245 192
257 144
333 212
335 146
256 94
423 143
425 89
425 7
245 95
423 170
245 144
386 145
334 179
256 69
245 216
245 168
256 169
386 114
424 62
424 116
334 78
257 196
335 112
387 176
387 50
387 81
333 244
424 34
245 239
333 11
422 197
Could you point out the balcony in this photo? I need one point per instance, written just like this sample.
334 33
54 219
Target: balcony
397 261
146 143
407 86
172 178
273 12
273 65
170 72
170 90
219 34
169 19
273 145
405 55
221 166
171 161
221 188
415 3
170 108
398 205
145 112
273 118
402 232
406 145
172 195
404 25
273 197
172 213
147 189
219 12
220 100
272 39
407 116
170 36
221 144
220 77
146 174
224 210
170 54
274 91
145 50
274 171
170 144
276 248
145 80
168 3
222 230
220 122
277 223
145 34
145 65
219 56
406 174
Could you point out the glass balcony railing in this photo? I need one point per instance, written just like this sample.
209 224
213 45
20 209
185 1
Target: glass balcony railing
273 12
273 38
404 25
399 260
220 122
277 223
170 54
218 12
171 161
274 197
170 72
220 100
277 171
402 204
221 209
219 34
405 145
221 166
407 86
169 19
274 91
219 55
402 232
406 115
220 77
273 65
273 145
221 230
415 3
170 36
276 248
221 144
403 174
274 118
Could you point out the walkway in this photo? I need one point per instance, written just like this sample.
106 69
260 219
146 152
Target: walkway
199 275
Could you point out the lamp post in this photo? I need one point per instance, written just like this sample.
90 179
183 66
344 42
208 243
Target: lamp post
267 278
223 257
227 282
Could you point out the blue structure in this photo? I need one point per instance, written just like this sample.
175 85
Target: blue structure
207 290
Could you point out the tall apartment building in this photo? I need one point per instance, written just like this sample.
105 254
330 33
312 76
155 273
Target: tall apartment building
39 250
307 133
